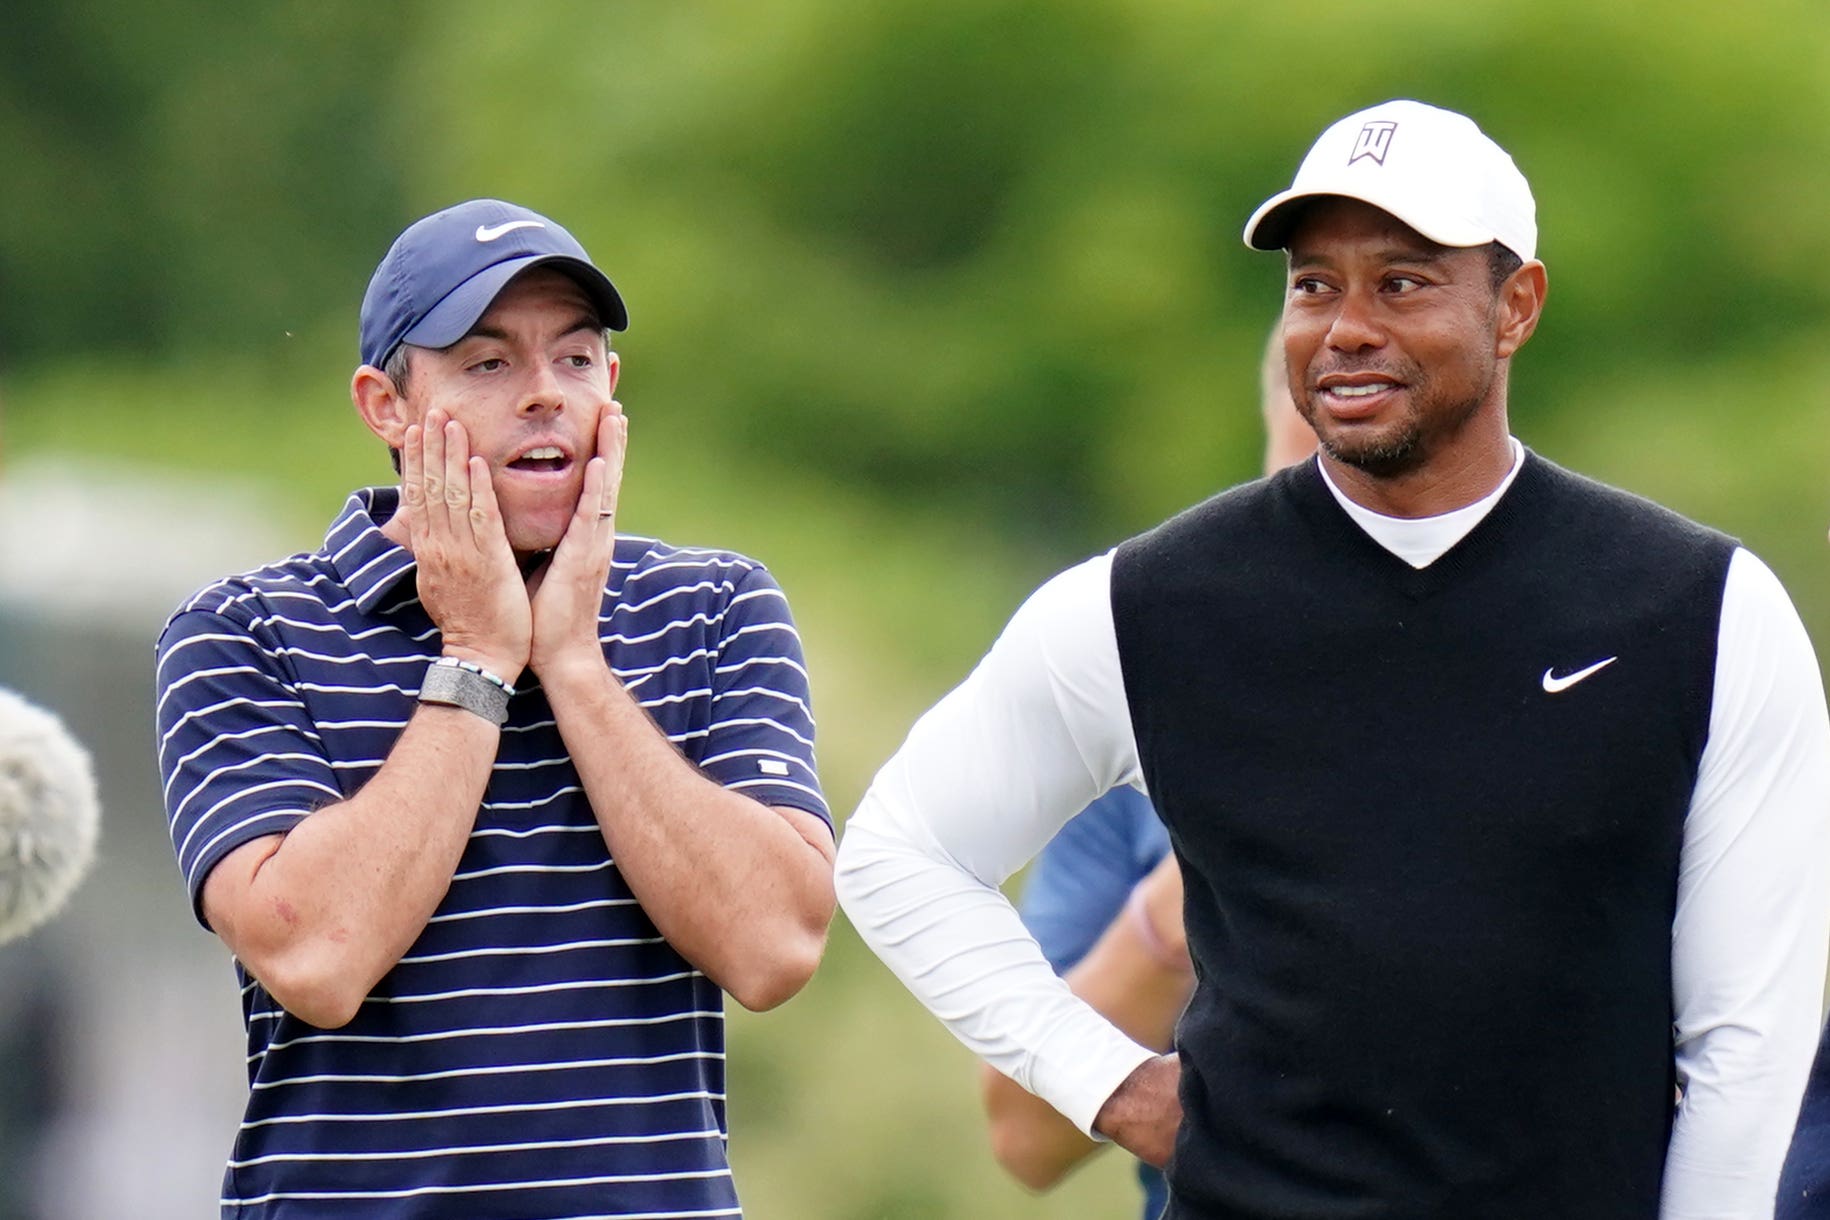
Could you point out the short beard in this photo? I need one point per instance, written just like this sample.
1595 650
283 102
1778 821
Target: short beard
1382 459
1406 450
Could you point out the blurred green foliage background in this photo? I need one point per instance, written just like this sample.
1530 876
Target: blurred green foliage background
929 298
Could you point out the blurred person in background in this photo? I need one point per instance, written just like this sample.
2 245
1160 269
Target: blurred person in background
1498 794
491 803
1104 902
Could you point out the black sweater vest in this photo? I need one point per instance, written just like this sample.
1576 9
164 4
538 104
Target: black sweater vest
1430 881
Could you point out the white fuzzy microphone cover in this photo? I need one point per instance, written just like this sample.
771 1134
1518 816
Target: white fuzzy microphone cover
49 815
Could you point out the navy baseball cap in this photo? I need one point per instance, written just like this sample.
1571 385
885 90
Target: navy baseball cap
441 274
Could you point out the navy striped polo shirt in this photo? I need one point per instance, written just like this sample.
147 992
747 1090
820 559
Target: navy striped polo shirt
540 1052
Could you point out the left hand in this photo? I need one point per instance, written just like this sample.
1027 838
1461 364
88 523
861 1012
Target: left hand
568 589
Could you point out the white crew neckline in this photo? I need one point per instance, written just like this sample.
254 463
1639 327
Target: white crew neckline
1421 541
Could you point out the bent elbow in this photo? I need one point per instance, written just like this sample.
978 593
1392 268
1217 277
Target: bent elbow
323 1012
1016 1152
1029 1140
778 977
320 996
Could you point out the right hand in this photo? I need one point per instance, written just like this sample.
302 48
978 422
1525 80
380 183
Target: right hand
1143 1113
468 581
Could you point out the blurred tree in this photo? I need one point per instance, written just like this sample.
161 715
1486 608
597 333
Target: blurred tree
977 251
197 175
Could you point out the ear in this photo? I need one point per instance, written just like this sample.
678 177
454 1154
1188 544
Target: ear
1521 302
615 366
380 405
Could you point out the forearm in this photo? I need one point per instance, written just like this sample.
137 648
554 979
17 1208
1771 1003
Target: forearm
741 890
1727 1144
321 913
1132 978
1034 1143
1747 1030
957 944
985 779
1747 941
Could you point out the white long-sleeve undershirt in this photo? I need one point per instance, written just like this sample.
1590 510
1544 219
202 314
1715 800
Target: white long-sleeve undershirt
1042 726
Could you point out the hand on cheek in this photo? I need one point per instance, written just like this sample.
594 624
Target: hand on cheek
569 591
467 579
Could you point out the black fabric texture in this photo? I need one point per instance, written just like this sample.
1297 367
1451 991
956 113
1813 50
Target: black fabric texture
1429 899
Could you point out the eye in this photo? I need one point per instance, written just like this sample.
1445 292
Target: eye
488 364
579 361
1403 283
1307 285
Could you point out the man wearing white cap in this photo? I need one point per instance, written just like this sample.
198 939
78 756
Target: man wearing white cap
1498 793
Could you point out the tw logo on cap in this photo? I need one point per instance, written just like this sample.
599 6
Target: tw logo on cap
1374 140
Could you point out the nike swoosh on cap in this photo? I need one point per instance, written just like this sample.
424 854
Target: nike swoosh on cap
1554 684
491 232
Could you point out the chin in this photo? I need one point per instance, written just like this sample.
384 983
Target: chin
530 542
537 523
535 532
1382 457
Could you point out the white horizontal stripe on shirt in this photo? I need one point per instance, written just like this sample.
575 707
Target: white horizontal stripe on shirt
668 1137
520 1107
490 1031
483 1188
494 1069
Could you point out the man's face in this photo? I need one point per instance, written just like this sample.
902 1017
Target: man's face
529 384
1392 341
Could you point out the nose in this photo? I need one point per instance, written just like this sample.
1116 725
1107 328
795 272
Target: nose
1354 327
541 394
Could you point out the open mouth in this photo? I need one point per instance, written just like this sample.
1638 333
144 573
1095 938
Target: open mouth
1361 391
547 459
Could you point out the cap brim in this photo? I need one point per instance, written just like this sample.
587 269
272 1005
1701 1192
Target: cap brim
451 319
1271 225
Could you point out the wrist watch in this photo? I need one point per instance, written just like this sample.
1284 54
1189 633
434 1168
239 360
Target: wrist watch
456 683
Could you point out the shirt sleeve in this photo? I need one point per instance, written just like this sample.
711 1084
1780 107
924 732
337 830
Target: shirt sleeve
987 777
237 753
1753 913
760 739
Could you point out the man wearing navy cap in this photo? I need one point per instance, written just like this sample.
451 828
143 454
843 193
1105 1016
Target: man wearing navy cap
1498 794
491 802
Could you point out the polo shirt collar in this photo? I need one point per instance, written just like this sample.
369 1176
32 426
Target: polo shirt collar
369 563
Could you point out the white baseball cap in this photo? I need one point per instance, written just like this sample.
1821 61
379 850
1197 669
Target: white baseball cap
1431 168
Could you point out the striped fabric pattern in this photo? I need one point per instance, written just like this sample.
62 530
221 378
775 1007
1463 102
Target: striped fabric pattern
540 1052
